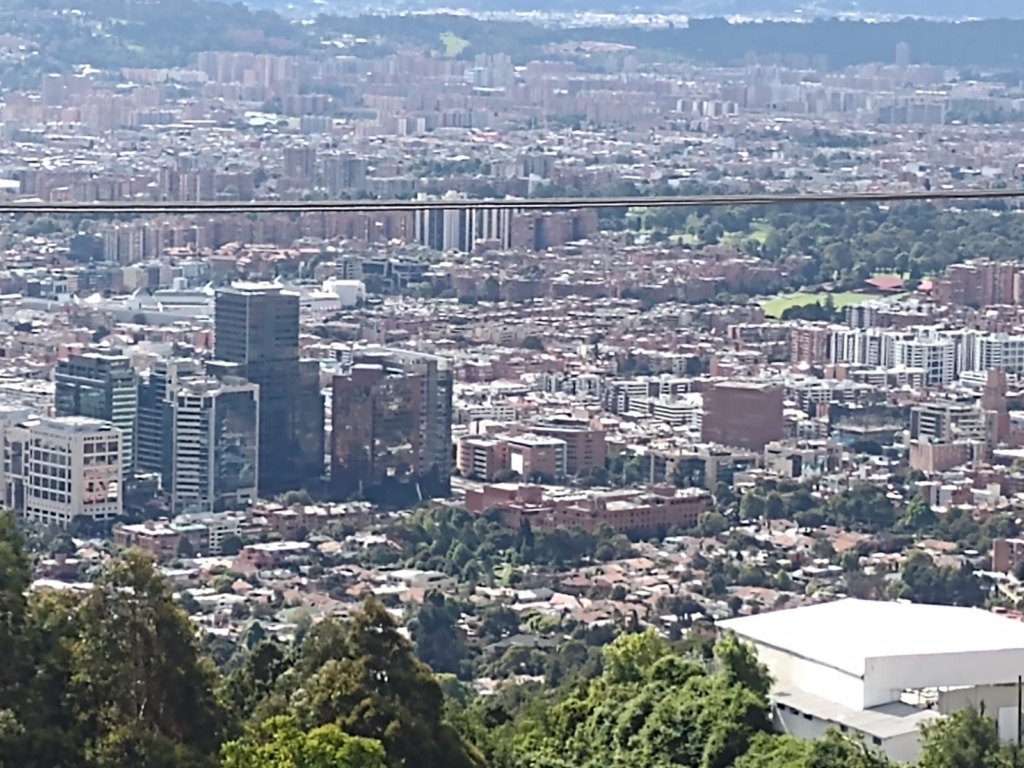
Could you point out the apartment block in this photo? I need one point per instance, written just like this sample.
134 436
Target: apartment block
59 470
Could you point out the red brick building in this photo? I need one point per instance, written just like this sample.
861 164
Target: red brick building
640 512
743 414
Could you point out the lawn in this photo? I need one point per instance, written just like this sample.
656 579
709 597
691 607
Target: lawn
453 44
776 305
758 232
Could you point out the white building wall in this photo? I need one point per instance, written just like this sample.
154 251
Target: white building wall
796 673
886 677
903 748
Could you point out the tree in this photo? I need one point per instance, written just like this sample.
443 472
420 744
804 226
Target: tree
630 656
918 516
185 548
380 690
491 289
738 664
15 576
435 633
534 343
752 506
231 545
735 603
724 496
774 506
297 497
137 655
498 622
965 739
280 743
712 524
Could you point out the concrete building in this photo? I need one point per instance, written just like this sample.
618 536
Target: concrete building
155 445
536 456
585 446
1006 553
639 512
935 354
879 670
479 457
57 470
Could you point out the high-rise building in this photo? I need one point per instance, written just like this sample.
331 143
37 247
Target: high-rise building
256 326
392 424
155 444
344 172
214 445
460 229
62 469
902 55
101 385
743 414
299 163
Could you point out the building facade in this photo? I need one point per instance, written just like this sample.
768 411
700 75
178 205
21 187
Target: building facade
215 445
257 328
743 415
101 386
155 444
391 426
58 470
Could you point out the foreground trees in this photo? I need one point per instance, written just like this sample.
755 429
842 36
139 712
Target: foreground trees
115 678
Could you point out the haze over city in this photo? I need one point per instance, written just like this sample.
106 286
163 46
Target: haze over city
491 384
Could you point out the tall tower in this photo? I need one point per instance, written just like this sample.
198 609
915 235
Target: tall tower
102 386
902 55
392 426
215 444
256 326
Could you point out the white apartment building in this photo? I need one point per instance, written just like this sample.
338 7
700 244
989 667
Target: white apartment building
686 410
992 351
935 354
59 469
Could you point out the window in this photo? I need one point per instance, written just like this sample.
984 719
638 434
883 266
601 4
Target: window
876 741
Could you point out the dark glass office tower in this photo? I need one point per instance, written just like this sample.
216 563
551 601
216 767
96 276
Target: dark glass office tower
256 326
101 385
391 427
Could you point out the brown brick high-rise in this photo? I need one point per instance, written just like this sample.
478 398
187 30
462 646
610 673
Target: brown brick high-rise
742 415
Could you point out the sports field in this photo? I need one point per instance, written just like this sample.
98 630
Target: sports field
776 305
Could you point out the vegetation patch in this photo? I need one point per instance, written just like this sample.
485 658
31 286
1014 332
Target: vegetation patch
453 44
776 305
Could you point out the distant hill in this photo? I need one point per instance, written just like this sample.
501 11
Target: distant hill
947 9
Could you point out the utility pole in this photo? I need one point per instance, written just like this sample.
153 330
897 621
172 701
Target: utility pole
1020 710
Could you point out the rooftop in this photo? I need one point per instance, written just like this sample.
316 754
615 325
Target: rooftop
846 633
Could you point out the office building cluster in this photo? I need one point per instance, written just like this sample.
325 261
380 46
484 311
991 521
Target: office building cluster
216 430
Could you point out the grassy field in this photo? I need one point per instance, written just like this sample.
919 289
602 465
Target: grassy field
776 305
759 231
453 44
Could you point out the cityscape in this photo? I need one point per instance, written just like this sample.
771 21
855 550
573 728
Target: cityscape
511 387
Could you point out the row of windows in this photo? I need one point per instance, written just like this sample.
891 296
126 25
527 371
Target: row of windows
60 498
49 482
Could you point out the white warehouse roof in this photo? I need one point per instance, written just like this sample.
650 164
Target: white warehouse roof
846 634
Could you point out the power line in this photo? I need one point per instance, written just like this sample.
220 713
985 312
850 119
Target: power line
530 204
